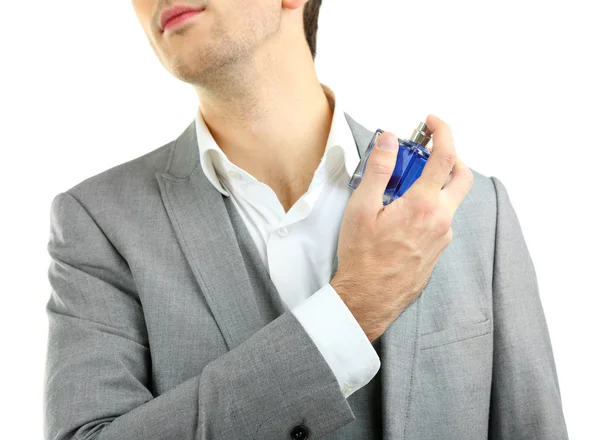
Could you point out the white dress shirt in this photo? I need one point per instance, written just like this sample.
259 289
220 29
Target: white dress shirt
298 246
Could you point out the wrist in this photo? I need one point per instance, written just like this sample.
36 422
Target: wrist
352 301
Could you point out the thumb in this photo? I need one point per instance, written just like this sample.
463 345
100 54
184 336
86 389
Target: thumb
378 171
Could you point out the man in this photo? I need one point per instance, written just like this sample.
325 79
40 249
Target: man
230 285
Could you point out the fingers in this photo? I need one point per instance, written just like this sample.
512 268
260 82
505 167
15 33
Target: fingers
441 160
377 174
445 176
458 186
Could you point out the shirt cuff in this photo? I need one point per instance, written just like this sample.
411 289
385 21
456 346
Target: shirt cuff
339 337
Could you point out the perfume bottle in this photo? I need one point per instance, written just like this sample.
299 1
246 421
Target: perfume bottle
411 159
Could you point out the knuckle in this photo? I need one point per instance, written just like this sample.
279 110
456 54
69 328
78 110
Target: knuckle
470 177
449 158
427 207
377 167
448 236
443 224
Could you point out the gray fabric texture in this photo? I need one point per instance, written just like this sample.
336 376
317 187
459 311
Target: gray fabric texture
164 324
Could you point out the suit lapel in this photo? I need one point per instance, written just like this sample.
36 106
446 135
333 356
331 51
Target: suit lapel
208 230
205 232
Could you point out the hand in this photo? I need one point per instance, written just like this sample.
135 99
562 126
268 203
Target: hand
386 254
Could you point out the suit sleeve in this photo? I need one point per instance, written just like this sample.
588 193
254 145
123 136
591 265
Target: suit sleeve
340 338
525 400
98 372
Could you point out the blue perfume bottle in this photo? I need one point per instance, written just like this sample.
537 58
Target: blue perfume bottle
411 159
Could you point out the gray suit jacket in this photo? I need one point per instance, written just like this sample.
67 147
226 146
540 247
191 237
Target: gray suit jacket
161 326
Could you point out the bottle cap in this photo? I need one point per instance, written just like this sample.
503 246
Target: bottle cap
421 135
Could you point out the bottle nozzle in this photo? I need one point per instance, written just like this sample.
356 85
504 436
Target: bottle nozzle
421 135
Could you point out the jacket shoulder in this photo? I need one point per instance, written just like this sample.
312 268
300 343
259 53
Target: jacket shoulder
135 176
475 218
482 193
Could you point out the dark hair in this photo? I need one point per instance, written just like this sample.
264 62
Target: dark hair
311 20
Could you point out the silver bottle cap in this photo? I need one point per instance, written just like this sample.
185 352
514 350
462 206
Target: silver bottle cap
421 135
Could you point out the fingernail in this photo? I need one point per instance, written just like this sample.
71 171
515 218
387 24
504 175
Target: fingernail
387 142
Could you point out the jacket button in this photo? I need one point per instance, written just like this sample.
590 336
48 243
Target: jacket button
299 432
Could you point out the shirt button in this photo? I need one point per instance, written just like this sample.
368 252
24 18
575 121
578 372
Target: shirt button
234 174
348 388
282 232
299 432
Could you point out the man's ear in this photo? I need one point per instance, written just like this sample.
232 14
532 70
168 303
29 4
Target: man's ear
293 4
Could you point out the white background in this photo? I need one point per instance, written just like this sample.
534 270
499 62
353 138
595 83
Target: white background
81 91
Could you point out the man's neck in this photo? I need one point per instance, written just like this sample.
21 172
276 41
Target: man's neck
275 128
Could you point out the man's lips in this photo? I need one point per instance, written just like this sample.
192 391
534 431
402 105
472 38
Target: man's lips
176 15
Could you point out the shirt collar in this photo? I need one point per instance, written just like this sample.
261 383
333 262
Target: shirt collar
211 155
215 163
340 134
